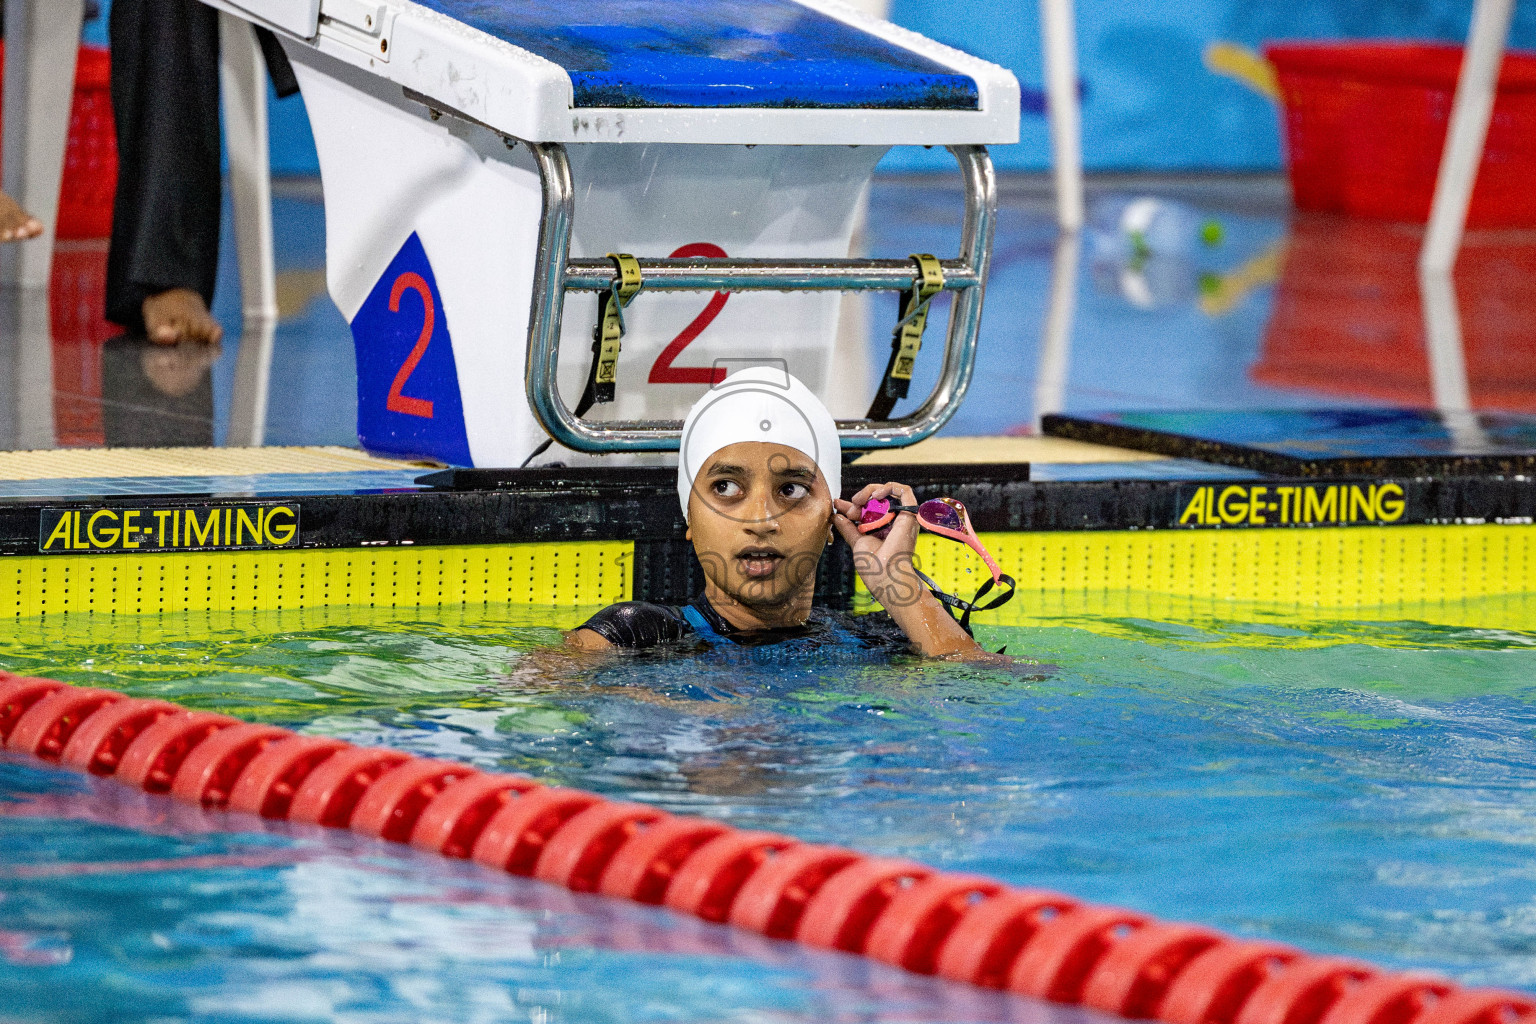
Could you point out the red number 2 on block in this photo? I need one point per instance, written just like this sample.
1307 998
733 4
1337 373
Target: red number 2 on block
662 371
396 402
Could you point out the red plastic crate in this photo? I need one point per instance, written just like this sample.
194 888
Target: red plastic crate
1365 123
90 158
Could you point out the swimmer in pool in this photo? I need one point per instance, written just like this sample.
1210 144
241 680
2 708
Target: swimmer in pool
759 474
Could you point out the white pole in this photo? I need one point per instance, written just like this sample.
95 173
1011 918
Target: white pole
1442 340
1468 132
1448 362
42 38
26 372
848 381
1056 339
252 385
1058 27
244 76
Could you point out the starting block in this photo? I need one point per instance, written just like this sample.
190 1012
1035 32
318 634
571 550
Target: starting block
482 160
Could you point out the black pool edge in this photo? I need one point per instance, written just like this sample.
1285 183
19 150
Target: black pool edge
640 505
1097 430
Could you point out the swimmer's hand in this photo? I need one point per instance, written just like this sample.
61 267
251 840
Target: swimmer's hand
588 641
580 650
886 568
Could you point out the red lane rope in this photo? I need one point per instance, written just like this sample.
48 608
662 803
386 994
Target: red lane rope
959 926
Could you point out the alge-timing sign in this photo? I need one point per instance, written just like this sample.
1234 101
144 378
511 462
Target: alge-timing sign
1293 505
205 527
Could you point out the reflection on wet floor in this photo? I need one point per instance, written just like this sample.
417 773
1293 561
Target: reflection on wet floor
1269 310
1349 316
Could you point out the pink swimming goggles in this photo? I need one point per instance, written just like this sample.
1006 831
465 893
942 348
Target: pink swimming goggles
947 518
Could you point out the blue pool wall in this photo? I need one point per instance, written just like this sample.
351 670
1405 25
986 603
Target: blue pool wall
1149 101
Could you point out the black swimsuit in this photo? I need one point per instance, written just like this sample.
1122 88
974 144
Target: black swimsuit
641 625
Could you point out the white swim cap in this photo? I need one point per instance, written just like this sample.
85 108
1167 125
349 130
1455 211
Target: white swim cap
759 403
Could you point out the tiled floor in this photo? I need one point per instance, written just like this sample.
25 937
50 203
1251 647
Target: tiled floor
1285 312
230 471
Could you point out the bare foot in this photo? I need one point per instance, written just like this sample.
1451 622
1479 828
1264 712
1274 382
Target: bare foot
180 315
16 224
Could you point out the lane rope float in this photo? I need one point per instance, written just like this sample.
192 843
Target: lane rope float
961 927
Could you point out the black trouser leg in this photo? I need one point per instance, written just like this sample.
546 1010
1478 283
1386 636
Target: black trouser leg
165 97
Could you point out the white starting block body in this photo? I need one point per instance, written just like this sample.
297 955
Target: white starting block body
687 129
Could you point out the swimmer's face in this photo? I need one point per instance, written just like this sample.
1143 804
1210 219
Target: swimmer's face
759 516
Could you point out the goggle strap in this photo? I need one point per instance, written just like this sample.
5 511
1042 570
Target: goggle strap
951 602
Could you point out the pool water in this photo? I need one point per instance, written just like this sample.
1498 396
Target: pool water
1360 788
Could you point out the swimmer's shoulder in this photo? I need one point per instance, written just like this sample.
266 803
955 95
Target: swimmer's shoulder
633 624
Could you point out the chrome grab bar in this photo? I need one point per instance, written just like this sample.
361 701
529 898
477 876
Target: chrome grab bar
556 273
705 275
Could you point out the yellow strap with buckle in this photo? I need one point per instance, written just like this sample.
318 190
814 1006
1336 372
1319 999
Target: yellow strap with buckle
610 328
908 336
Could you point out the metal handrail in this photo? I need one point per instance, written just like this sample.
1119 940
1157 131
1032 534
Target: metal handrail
728 275
556 273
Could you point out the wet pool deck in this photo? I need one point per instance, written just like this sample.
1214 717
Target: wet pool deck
329 469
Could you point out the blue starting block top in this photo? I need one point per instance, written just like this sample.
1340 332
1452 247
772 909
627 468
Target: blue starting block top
716 54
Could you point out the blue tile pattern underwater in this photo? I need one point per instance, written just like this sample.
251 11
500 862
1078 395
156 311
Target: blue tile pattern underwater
1360 789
